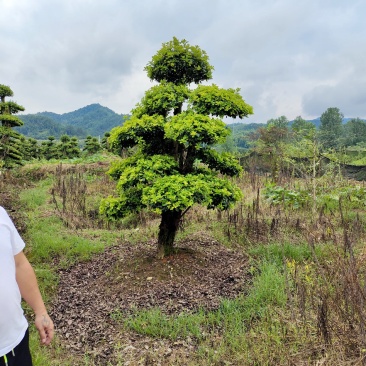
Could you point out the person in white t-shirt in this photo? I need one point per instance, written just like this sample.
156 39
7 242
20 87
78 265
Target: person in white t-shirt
18 280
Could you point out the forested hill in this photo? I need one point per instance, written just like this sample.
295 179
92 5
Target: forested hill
92 120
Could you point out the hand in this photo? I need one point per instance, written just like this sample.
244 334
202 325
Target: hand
44 325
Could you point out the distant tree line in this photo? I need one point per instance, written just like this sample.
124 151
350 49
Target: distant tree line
299 147
16 148
332 132
65 148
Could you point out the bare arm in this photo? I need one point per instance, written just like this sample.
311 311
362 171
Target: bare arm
29 290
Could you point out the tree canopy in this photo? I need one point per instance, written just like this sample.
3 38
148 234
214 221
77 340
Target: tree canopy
331 128
179 63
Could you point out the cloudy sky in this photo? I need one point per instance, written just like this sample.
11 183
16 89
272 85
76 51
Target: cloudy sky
288 57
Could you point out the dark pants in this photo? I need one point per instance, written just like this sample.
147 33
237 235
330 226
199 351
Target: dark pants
22 356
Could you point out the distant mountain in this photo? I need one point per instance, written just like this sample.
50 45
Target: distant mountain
92 120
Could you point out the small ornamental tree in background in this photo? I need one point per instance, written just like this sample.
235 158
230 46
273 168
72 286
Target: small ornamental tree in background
301 127
68 147
271 143
34 149
10 140
104 142
173 165
354 132
92 145
49 149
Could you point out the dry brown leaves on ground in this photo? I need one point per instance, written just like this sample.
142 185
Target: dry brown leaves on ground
127 277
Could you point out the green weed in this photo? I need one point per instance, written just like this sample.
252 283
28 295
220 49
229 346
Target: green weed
48 239
35 197
278 252
158 325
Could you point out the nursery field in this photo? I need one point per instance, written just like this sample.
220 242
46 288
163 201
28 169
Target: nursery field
277 280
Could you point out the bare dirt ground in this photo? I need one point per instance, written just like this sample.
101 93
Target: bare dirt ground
126 277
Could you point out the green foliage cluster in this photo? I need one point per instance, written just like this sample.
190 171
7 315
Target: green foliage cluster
192 129
178 62
354 132
212 100
241 139
353 197
331 127
92 145
161 99
277 195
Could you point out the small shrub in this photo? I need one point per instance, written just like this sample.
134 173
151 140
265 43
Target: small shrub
277 195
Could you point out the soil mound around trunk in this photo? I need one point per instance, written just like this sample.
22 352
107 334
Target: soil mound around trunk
129 277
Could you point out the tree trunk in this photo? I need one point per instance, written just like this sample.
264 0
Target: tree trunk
167 230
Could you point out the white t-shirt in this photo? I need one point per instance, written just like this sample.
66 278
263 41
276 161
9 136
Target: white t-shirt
13 324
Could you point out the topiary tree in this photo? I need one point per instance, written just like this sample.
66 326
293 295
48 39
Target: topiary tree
49 149
34 149
92 145
173 164
10 140
104 142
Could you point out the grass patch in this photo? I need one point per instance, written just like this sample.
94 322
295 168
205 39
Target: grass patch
155 323
48 240
47 279
278 252
301 253
37 196
53 355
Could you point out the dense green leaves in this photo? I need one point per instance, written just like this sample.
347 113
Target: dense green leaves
5 91
133 174
179 63
354 132
278 195
191 129
138 130
114 207
162 99
145 170
219 102
92 145
10 107
331 128
9 120
280 122
225 163
178 192
302 127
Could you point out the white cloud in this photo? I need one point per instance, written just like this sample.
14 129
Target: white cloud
289 58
